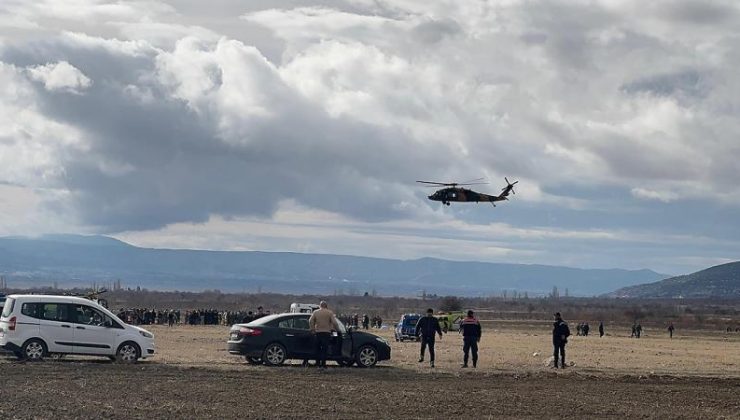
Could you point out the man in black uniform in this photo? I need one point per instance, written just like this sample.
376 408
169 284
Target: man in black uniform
560 334
471 332
426 327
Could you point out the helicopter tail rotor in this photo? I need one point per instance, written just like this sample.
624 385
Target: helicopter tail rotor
509 186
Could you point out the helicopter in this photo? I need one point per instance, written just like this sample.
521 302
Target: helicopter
455 192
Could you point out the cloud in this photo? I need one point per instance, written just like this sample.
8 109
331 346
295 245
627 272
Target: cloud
60 76
183 112
664 196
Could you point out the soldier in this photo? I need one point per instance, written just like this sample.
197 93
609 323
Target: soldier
426 327
560 334
639 330
601 328
471 332
670 330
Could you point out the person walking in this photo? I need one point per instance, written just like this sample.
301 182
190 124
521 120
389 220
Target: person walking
560 334
471 332
321 323
601 328
670 330
426 327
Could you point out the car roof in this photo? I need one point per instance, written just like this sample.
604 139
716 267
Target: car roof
51 298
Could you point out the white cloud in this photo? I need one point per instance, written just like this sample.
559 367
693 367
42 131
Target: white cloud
664 196
60 76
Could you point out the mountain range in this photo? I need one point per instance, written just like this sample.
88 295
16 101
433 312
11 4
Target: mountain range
72 260
721 281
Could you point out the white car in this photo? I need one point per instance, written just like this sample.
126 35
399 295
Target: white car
36 326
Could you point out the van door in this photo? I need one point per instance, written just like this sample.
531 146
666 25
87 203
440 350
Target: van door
94 331
55 327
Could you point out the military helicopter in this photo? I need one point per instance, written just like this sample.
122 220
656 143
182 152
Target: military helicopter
454 192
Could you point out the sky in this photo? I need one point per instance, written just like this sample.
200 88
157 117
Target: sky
290 125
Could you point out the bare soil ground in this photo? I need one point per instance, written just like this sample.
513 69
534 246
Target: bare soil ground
695 375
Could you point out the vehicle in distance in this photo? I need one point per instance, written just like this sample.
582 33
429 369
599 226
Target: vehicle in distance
37 326
303 308
450 321
276 338
406 327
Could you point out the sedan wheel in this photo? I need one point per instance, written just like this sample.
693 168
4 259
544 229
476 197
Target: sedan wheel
367 356
274 354
34 350
127 353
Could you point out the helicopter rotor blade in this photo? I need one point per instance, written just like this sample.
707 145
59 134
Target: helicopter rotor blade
436 183
473 180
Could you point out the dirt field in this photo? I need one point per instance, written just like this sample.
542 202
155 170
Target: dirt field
694 375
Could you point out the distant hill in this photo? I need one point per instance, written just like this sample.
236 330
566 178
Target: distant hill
73 260
722 281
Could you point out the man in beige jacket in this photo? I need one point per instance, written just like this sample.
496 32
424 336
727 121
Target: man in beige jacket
322 323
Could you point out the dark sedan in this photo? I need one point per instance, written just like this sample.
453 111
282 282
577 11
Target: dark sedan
276 338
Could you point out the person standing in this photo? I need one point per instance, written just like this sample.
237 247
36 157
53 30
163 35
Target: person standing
601 328
670 330
471 332
321 323
426 327
560 334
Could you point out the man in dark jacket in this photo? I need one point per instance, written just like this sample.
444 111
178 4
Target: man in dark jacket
426 327
560 334
471 332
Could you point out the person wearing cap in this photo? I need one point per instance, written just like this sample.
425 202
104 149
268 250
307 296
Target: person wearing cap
321 323
560 334
426 327
471 332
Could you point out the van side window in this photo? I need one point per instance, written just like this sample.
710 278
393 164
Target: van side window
87 315
31 309
55 311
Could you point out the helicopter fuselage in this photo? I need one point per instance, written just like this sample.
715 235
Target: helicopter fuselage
448 195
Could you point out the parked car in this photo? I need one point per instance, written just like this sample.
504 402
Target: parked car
406 327
276 338
37 326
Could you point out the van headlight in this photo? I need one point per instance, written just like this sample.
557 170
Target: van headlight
146 334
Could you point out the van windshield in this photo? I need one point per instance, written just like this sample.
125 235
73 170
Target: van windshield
8 308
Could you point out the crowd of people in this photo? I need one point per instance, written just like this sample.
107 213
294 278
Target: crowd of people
366 321
171 317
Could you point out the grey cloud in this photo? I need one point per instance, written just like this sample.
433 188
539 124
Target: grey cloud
177 168
688 82
699 12
435 31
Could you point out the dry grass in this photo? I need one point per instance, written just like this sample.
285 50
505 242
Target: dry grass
508 347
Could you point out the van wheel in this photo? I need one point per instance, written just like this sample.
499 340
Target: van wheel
33 350
274 354
128 352
367 356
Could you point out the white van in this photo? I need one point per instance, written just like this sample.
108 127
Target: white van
303 308
36 326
